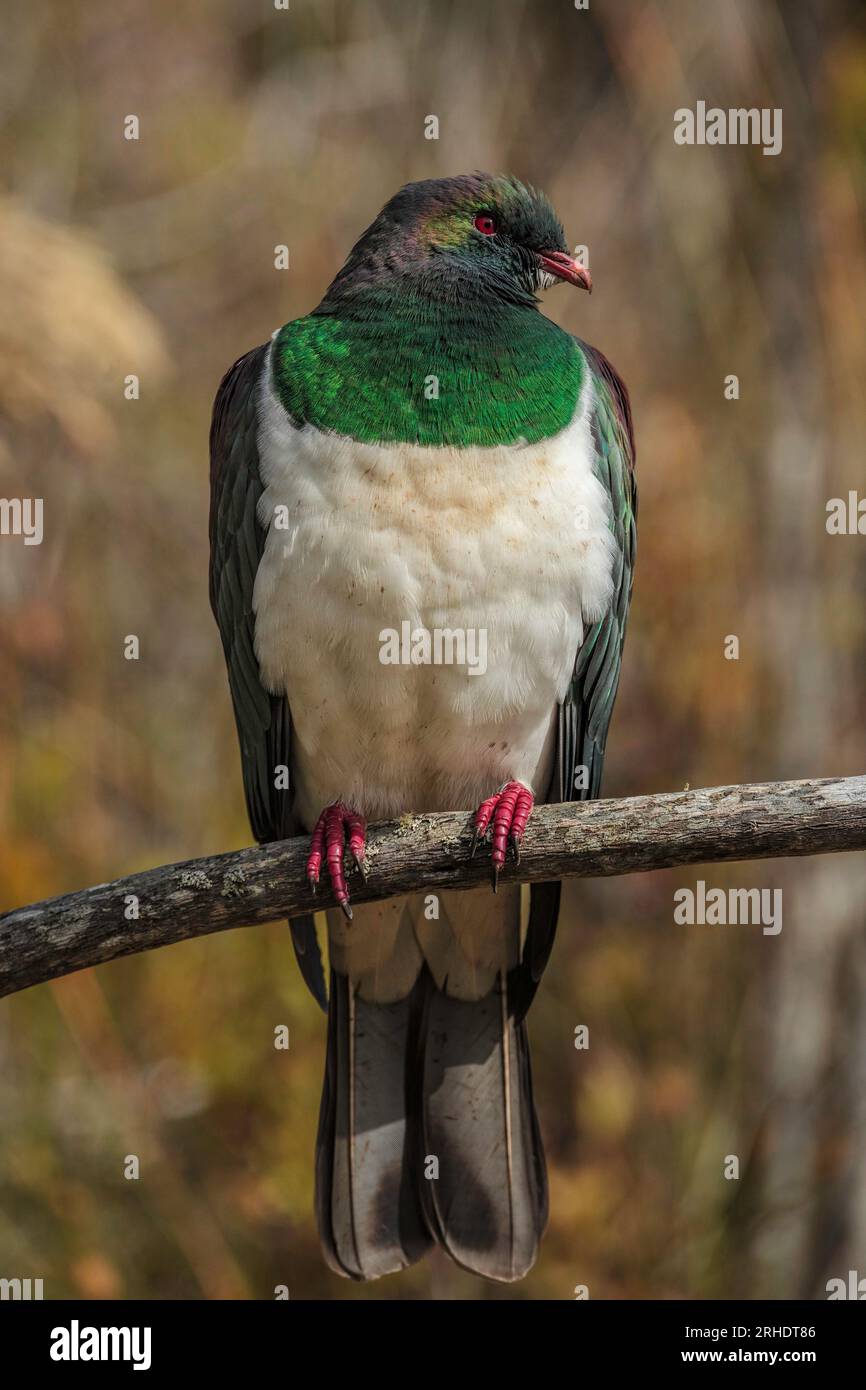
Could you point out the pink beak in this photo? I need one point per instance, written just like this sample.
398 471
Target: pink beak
566 268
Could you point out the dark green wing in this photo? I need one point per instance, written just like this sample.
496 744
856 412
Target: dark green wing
584 715
236 543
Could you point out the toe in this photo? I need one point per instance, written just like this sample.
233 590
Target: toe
334 845
314 858
356 833
483 816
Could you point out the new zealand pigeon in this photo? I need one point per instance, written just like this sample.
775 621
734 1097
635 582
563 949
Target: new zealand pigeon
422 539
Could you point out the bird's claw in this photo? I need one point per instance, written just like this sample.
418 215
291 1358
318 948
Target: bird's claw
336 825
507 813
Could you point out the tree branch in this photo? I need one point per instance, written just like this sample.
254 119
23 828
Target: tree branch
429 853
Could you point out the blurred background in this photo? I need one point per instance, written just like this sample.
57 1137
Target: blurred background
155 257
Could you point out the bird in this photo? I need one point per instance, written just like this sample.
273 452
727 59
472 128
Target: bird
422 537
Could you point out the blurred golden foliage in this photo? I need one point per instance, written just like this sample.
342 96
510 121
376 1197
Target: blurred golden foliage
70 328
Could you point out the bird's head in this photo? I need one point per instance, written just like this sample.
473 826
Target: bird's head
474 237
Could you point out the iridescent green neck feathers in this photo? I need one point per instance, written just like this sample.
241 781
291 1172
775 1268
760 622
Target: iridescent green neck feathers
401 369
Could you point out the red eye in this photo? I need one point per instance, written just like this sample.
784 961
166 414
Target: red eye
485 223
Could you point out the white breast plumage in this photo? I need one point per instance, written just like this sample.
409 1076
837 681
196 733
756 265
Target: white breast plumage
484 564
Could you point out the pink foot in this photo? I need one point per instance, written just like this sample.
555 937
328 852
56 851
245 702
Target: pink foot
509 809
334 824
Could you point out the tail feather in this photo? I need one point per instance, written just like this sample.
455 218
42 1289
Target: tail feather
488 1204
369 1218
309 957
428 1058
